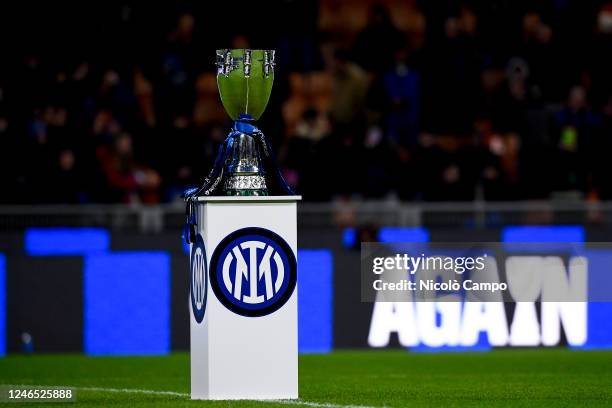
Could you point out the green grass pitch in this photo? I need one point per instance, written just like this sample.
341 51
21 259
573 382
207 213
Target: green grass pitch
537 378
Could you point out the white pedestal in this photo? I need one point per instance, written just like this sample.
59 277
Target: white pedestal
243 348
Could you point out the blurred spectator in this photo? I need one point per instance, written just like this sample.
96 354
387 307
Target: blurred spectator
577 128
338 163
128 181
65 183
599 64
380 167
402 91
375 45
451 71
540 54
600 187
350 86
298 155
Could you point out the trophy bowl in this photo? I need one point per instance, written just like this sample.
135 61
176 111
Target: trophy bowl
244 79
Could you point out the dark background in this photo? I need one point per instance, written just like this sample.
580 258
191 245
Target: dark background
116 102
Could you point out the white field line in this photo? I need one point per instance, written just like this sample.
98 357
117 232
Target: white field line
133 391
185 395
317 404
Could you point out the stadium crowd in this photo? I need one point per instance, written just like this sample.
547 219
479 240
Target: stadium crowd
496 100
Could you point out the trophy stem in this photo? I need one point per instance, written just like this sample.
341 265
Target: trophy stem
245 173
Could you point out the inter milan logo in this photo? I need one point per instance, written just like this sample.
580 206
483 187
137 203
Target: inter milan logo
198 279
253 272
